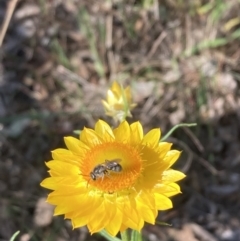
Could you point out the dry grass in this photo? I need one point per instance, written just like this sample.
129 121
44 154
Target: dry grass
182 60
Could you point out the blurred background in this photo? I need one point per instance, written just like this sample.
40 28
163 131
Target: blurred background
182 59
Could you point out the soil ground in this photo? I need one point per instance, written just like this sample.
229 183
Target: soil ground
182 59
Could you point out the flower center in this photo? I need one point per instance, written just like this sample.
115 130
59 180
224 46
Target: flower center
112 166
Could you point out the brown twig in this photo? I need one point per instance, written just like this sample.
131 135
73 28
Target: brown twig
10 9
63 73
194 139
156 44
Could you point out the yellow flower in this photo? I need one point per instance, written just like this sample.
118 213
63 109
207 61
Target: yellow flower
119 102
113 179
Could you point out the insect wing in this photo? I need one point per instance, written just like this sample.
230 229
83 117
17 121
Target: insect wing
111 163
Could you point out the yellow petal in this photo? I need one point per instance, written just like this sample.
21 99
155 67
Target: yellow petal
136 133
104 130
63 168
147 198
97 224
170 158
111 97
122 133
54 183
116 88
61 154
146 213
84 209
173 192
140 224
164 147
112 209
106 105
162 202
73 144
114 225
69 190
63 203
152 137
68 157
171 175
90 138
167 190
80 221
131 217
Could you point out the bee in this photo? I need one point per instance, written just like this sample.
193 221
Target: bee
113 165
103 169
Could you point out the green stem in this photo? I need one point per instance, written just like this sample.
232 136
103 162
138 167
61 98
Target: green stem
14 236
125 235
176 127
106 235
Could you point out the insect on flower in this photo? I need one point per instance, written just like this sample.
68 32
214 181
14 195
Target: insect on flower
103 169
133 166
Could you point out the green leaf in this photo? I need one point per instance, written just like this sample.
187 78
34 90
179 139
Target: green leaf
235 34
214 43
77 132
163 223
206 44
14 236
205 8
106 235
